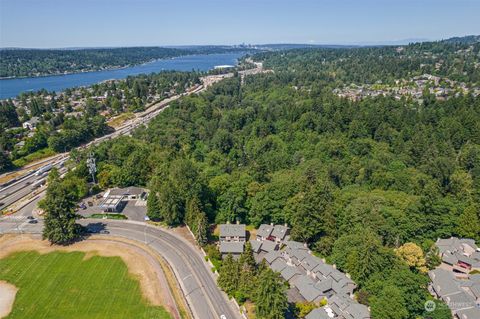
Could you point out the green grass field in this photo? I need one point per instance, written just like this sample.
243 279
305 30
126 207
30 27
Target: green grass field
63 285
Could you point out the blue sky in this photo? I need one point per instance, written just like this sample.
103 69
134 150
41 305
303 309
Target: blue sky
93 23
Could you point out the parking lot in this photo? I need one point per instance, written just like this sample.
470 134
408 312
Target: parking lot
134 209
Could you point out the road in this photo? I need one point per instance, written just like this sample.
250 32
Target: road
192 272
22 188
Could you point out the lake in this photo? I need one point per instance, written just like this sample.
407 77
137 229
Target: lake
202 62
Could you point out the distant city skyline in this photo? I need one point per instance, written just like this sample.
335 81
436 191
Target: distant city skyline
117 23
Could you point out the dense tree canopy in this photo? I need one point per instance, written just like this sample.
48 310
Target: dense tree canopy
369 184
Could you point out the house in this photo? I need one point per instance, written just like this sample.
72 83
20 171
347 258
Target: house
460 256
264 232
344 307
232 239
232 233
309 277
20 144
461 295
32 123
277 233
233 248
280 233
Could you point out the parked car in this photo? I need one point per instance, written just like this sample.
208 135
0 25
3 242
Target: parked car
104 231
90 204
30 217
83 206
33 221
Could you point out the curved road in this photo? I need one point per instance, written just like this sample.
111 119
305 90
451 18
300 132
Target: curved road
192 272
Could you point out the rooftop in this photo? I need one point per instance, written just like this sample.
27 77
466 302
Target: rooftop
232 230
231 247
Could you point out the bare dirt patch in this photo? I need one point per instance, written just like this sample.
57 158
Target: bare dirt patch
140 263
7 297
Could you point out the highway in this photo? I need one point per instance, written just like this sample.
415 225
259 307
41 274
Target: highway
192 272
21 188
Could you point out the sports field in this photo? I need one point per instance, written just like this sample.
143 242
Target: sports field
68 285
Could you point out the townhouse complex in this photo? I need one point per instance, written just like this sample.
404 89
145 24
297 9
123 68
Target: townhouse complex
457 279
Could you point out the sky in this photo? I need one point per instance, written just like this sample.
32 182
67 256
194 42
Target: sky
107 23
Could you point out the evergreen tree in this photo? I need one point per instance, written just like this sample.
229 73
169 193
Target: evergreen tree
201 232
59 205
270 298
469 223
153 209
228 275
247 260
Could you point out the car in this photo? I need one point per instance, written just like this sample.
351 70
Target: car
83 206
90 204
104 232
1 204
30 217
33 221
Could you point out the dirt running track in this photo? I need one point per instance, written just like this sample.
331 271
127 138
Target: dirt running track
141 264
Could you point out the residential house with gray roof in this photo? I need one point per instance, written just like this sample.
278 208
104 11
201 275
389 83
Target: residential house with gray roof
460 256
310 278
232 239
462 295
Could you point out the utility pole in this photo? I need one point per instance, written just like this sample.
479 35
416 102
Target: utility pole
92 167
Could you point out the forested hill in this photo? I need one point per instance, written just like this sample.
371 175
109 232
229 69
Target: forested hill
456 58
355 179
36 62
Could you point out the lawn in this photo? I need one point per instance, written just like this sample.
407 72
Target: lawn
109 216
64 285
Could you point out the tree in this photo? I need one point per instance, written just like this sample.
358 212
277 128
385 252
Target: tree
153 209
389 304
201 233
59 205
5 163
433 257
469 223
228 275
171 205
361 254
270 298
248 272
441 311
413 256
304 308
309 212
247 260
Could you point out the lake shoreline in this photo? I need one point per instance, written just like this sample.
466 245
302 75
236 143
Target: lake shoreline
13 87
